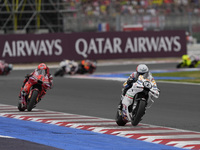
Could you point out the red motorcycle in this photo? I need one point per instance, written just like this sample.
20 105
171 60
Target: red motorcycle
34 89
5 68
87 66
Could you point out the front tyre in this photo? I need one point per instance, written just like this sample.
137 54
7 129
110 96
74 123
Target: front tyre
59 72
32 100
180 65
140 111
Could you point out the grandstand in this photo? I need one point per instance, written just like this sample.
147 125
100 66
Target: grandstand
32 16
38 16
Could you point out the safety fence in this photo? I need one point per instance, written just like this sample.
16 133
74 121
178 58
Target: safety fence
52 16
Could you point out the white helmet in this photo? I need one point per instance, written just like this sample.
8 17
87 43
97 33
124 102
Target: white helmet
142 69
10 66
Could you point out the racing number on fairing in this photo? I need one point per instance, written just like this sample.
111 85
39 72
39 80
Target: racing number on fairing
147 84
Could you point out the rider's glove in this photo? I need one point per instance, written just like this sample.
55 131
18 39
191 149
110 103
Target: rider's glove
130 81
27 76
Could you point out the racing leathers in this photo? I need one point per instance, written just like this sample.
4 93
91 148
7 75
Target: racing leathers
128 91
190 61
69 66
23 93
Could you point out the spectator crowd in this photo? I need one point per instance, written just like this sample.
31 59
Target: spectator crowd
131 7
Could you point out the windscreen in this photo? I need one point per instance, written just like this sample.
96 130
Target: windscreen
42 72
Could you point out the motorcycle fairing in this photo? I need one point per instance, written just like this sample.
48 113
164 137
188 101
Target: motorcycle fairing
131 99
27 87
129 96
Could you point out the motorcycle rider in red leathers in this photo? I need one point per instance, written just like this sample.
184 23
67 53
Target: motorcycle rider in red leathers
41 66
5 68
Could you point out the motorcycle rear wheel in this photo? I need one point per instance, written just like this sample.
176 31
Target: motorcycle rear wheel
32 100
139 113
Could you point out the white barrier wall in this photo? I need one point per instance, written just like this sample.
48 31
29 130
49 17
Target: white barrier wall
193 49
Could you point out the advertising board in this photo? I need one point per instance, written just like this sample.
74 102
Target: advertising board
55 47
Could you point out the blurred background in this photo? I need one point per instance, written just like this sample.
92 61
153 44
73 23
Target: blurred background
50 16
71 16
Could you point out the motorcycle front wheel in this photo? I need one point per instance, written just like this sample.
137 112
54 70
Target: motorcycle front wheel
140 111
180 65
32 101
59 72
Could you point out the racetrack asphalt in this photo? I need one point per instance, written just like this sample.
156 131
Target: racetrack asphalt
177 107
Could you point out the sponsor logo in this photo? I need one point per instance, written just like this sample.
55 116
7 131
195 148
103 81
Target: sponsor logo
129 45
28 48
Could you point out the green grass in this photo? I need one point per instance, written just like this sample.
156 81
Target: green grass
195 74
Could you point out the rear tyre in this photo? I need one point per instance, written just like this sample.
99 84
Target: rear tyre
32 100
193 64
139 113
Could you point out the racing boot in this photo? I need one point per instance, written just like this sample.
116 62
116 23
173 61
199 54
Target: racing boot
22 99
124 113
